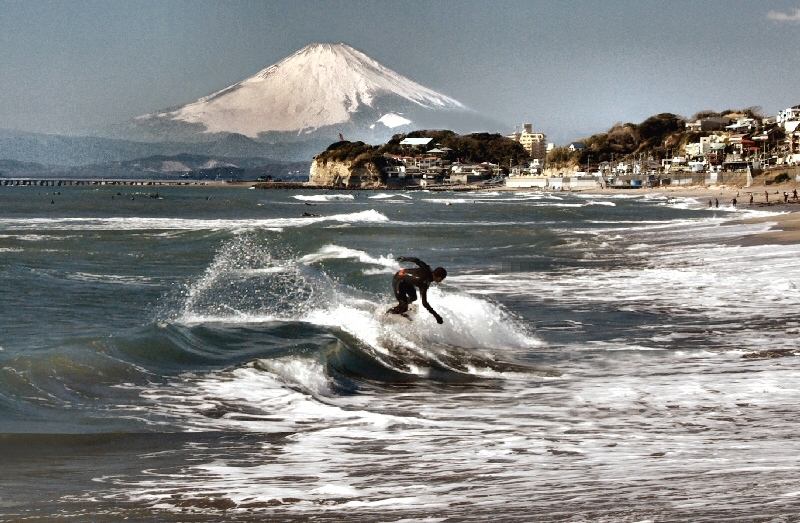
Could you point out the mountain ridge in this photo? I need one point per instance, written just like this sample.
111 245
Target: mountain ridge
319 86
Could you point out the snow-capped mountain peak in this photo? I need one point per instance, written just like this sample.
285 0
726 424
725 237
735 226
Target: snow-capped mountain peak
318 86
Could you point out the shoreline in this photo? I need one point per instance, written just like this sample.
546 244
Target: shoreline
786 218
784 231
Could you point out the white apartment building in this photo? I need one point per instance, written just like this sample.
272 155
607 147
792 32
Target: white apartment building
534 143
788 115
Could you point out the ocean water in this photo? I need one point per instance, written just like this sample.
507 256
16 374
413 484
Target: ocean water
208 354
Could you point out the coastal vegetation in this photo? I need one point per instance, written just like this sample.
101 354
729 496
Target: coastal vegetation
451 147
659 136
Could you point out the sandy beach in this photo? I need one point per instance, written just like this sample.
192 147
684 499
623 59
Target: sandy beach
769 198
786 229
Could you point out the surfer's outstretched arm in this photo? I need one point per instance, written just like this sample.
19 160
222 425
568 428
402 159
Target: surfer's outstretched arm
423 295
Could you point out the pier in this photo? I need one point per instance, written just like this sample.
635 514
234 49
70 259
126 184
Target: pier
65 182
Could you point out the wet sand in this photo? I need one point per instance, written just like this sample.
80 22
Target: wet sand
786 228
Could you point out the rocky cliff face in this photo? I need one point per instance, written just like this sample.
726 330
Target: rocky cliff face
557 172
343 174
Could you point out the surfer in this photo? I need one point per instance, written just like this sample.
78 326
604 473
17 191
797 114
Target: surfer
405 281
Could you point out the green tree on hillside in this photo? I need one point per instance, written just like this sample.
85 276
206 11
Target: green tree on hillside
558 156
477 147
485 147
654 131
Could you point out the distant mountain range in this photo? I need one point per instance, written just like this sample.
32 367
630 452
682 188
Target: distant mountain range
163 167
287 112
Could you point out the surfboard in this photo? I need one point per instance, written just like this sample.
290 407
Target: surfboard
387 316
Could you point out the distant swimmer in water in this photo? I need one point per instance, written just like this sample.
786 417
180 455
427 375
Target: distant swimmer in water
405 281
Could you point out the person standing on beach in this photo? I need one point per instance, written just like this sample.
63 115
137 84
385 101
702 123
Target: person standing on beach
716 203
766 195
733 203
751 198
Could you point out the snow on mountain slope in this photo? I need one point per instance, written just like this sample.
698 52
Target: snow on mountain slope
318 86
392 120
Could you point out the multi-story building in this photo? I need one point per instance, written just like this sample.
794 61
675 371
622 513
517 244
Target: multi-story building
708 124
413 166
788 115
534 143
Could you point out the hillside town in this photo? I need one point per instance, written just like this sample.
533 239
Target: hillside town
432 167
713 148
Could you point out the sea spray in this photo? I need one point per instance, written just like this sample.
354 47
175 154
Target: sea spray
252 279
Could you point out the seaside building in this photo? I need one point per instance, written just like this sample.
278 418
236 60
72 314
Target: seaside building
742 124
405 166
792 142
466 173
708 146
708 124
534 143
742 144
788 115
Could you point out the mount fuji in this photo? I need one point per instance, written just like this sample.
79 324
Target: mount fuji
313 95
289 111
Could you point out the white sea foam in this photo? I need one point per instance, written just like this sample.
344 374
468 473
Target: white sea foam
183 224
448 200
265 396
615 196
386 196
370 216
693 282
692 433
678 269
308 375
469 323
329 252
323 197
32 237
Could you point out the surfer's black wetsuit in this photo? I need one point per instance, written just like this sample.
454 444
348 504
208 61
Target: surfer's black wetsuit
404 283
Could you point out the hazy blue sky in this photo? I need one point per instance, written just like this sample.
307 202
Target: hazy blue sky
569 67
